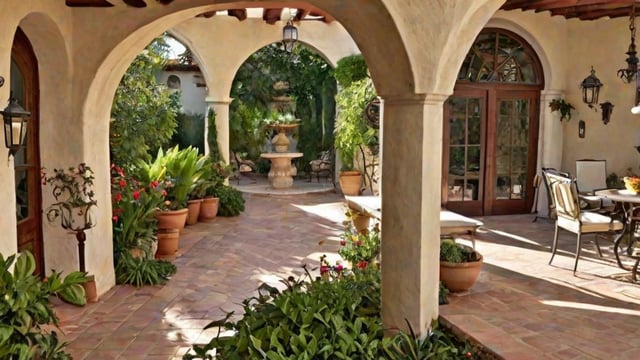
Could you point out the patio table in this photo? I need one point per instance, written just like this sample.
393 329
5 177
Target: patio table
629 201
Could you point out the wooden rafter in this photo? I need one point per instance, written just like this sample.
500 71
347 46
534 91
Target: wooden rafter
581 9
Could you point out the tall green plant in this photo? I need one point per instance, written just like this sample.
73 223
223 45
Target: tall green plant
143 111
212 137
350 69
351 131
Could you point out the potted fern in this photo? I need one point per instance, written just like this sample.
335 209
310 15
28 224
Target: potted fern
460 265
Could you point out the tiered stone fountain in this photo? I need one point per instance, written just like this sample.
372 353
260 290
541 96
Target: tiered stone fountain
280 174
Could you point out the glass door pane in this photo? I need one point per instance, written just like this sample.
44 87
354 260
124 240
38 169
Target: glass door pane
512 145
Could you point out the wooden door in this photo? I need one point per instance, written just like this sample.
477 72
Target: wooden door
490 149
24 87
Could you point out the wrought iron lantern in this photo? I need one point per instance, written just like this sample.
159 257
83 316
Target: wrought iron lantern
289 36
15 125
629 73
591 89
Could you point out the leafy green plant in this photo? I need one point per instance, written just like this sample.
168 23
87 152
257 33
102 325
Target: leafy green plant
562 106
350 69
212 137
437 344
231 200
336 318
177 169
360 249
143 271
134 206
352 132
452 252
25 309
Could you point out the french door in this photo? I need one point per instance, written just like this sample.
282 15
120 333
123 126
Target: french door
24 88
490 147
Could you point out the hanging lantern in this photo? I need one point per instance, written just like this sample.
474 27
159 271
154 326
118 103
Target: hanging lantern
15 125
591 89
289 36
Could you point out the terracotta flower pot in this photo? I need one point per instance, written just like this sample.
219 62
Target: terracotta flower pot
172 219
194 211
209 209
459 277
90 289
350 182
360 222
168 243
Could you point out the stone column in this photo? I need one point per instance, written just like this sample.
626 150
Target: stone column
549 143
221 108
411 210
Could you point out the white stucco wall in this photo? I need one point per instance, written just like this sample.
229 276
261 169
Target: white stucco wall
192 97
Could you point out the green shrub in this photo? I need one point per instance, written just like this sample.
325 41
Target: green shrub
142 271
453 252
322 319
350 69
25 308
231 201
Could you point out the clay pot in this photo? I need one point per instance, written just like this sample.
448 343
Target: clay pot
459 277
350 182
90 289
168 240
360 222
208 209
193 207
172 219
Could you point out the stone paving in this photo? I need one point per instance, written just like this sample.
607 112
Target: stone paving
521 308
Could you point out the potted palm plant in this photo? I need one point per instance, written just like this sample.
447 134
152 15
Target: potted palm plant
460 265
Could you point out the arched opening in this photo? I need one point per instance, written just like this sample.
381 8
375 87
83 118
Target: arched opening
491 128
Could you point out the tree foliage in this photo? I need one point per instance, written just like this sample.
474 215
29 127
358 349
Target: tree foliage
143 112
311 86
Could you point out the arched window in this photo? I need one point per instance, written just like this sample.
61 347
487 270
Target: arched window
173 82
500 56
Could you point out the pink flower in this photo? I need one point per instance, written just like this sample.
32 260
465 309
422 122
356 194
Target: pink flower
154 184
136 195
164 193
114 218
339 268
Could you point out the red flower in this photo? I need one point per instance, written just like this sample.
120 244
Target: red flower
359 242
343 243
468 354
154 184
324 269
362 264
339 268
136 195
123 183
118 197
114 218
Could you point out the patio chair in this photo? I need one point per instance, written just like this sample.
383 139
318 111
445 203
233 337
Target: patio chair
321 165
591 175
571 218
243 167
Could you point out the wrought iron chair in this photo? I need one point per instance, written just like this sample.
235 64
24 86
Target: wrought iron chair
321 166
571 218
243 167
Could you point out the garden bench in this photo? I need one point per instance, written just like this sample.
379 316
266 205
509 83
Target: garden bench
451 223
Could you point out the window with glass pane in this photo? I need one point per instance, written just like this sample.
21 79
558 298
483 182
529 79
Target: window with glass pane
498 57
512 149
464 149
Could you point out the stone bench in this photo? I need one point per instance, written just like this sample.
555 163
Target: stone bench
451 223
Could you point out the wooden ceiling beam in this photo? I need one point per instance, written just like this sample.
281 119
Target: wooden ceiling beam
88 3
271 16
240 14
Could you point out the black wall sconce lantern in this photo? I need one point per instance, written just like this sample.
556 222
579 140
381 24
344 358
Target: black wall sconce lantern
607 109
15 125
591 89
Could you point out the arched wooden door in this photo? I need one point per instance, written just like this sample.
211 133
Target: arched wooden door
491 128
24 87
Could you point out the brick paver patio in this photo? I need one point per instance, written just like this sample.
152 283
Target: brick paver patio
521 308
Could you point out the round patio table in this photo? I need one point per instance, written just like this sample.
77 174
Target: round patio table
629 201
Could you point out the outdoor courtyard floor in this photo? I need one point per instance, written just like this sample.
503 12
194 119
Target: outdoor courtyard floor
521 308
